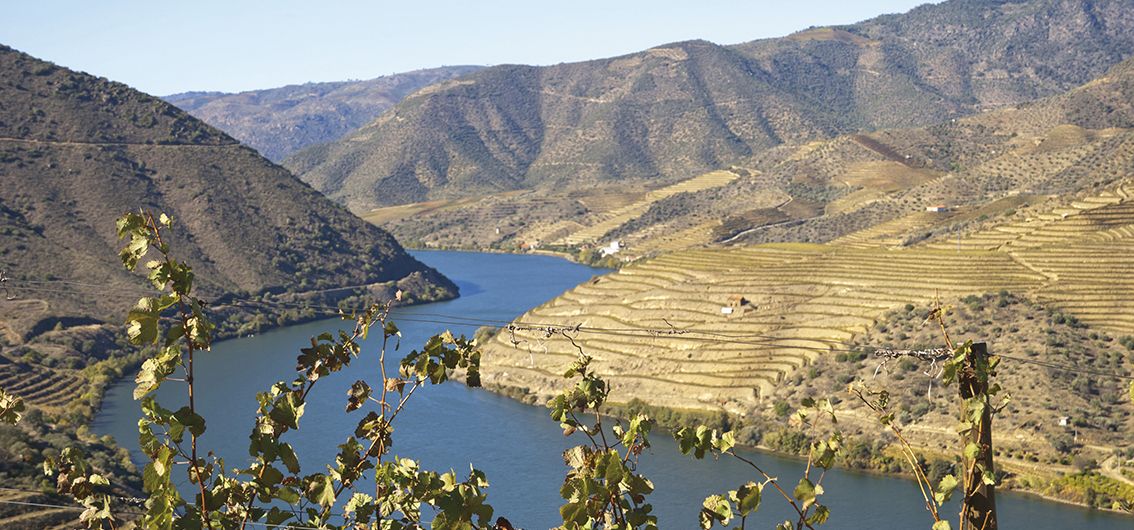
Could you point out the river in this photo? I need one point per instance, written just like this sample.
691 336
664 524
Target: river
518 446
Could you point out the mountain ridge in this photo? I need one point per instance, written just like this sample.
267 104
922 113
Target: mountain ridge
817 191
739 99
279 121
77 151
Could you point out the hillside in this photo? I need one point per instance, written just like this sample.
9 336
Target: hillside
78 151
277 122
739 329
779 282
980 166
682 109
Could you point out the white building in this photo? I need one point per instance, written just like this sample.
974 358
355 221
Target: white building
613 248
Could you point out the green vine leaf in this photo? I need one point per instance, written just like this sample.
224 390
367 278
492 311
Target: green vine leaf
321 490
747 498
190 420
988 477
155 370
715 509
287 410
820 515
805 491
945 489
357 394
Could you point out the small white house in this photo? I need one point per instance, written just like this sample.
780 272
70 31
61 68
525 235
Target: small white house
613 248
940 208
726 310
1064 421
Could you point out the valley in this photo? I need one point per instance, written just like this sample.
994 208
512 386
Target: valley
766 217
740 329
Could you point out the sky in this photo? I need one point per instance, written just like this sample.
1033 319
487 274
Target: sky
166 47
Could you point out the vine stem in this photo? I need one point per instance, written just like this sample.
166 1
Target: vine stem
938 314
377 441
971 480
775 484
189 344
382 404
907 451
620 515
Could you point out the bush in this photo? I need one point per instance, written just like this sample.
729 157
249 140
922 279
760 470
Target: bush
781 408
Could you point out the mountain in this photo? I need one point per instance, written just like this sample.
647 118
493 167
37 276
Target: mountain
280 121
817 191
1036 200
681 109
884 181
77 151
761 286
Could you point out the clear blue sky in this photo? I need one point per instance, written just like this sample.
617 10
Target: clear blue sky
163 47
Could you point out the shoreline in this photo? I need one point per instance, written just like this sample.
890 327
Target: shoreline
532 399
537 252
618 410
133 357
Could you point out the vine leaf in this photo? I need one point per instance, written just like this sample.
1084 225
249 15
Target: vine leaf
820 515
748 498
11 408
190 420
806 492
715 508
154 371
945 489
357 395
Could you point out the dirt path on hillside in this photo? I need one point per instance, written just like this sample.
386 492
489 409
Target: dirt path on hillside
1110 468
87 144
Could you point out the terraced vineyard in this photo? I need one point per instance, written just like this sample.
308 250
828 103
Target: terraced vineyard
889 234
693 236
599 224
40 386
661 327
30 517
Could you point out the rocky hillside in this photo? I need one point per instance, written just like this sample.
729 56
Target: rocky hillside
820 190
280 121
77 151
678 110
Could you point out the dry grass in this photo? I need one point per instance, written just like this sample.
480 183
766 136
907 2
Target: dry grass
599 224
887 176
380 216
807 300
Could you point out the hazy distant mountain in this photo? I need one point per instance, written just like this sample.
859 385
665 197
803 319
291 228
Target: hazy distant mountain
77 151
280 121
676 110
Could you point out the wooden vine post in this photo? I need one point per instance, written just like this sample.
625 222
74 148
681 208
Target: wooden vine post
979 507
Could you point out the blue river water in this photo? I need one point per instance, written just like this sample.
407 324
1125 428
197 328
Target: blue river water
518 446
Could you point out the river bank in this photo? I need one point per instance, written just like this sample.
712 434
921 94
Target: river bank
518 446
873 456
586 257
